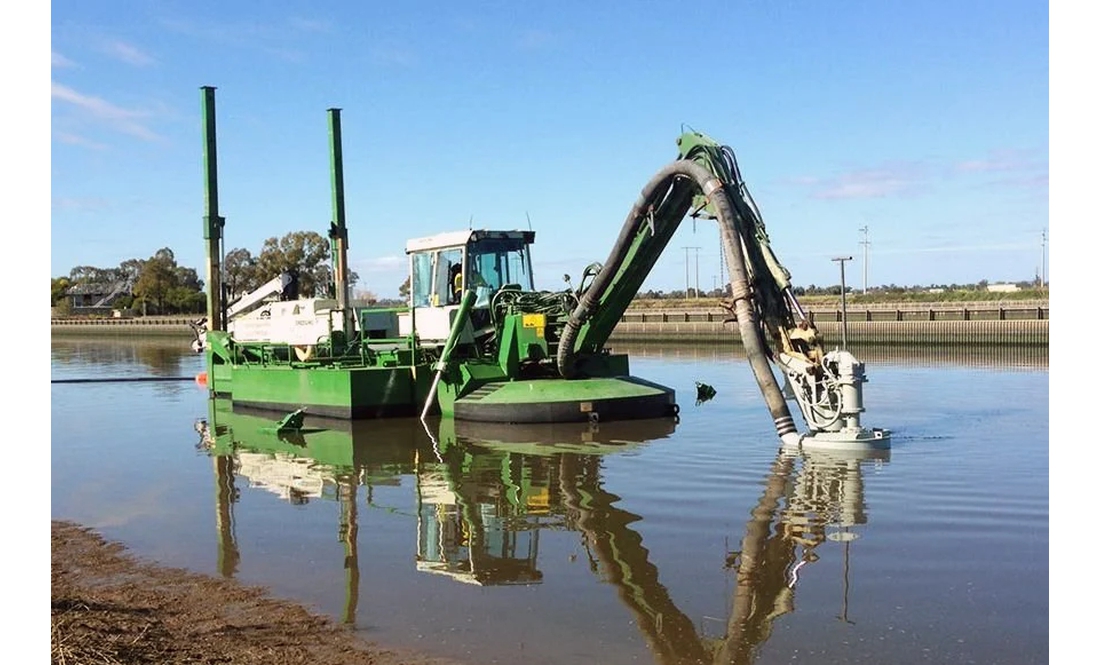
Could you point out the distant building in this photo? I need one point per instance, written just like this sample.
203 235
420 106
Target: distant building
936 290
92 298
1002 288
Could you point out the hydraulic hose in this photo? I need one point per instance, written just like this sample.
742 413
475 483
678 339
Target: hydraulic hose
665 200
660 189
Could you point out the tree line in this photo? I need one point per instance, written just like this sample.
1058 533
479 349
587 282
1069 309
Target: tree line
159 285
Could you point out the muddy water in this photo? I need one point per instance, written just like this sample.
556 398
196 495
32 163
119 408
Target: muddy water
659 542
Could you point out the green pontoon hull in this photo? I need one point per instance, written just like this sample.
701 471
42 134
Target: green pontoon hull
543 400
352 393
359 393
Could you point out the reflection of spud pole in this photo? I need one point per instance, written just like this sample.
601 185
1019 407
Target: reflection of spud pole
228 554
349 534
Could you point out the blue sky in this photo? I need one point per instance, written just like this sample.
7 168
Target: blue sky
926 122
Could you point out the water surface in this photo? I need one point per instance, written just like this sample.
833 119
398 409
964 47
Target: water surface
658 542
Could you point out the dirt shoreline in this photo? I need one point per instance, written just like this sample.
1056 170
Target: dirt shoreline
108 607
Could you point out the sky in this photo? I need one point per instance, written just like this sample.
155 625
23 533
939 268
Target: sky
924 123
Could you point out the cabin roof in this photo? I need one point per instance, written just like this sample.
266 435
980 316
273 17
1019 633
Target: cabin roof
460 238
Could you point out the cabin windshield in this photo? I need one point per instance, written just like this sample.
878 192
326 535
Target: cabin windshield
499 261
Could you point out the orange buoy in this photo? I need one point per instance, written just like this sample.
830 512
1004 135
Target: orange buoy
200 379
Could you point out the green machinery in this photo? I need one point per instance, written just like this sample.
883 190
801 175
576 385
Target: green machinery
478 342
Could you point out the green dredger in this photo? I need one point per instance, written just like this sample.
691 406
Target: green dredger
478 342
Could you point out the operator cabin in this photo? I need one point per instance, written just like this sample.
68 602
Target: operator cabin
443 265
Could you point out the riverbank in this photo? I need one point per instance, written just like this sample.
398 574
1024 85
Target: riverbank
902 333
110 608
173 326
971 323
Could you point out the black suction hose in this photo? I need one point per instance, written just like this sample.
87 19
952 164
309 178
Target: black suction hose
665 199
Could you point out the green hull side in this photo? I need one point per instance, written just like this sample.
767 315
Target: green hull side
569 390
335 392
220 379
566 400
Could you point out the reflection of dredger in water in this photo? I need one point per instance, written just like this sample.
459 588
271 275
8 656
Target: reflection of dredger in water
547 438
778 541
487 499
825 499
801 508
481 504
484 500
329 460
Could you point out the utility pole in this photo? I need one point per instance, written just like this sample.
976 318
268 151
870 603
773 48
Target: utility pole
866 242
697 272
1043 274
687 271
843 304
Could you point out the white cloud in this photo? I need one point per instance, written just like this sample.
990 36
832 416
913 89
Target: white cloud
87 204
60 61
891 179
76 139
276 38
122 120
1000 161
380 264
127 53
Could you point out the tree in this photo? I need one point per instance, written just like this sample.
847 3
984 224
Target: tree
185 299
158 276
189 279
130 269
303 251
93 275
325 282
403 290
59 288
240 270
306 252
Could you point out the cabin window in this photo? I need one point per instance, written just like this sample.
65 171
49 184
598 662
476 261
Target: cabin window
421 292
500 261
435 275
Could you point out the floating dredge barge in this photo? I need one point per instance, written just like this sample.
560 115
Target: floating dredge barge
478 342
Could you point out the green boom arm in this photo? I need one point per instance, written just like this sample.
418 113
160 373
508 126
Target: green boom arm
704 181
651 225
